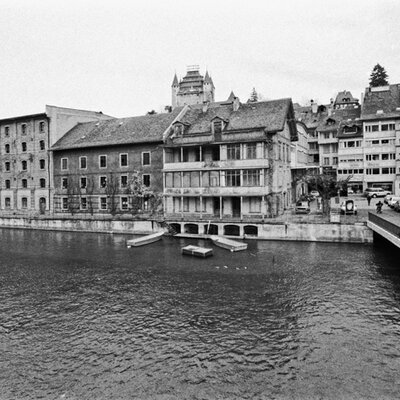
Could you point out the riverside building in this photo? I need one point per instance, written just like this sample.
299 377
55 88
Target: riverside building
26 165
381 128
111 167
227 166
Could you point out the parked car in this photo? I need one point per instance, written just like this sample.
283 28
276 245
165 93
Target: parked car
393 201
314 193
350 191
302 207
348 207
376 192
396 206
387 198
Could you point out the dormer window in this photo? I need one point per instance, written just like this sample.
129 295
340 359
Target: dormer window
330 121
217 126
178 129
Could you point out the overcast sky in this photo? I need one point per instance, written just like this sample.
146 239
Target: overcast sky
120 56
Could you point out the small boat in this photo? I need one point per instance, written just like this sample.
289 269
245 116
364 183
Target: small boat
147 239
197 251
228 244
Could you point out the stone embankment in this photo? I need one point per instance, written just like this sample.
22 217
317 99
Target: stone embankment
295 228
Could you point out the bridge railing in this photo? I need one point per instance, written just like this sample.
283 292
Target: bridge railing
384 224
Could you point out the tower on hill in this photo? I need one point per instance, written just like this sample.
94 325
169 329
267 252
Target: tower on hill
193 88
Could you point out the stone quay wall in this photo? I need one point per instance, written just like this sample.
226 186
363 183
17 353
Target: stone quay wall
294 231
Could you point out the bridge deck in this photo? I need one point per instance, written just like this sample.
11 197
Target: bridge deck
386 224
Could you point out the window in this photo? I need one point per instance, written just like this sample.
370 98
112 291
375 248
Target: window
233 178
8 184
83 182
185 204
233 151
7 165
65 203
217 126
7 148
124 203
123 160
64 164
385 171
255 204
24 183
334 160
24 202
371 128
83 203
64 183
326 160
23 129
103 181
42 164
23 146
124 181
385 141
387 127
251 151
178 129
7 202
24 165
7 131
103 161
103 203
197 204
251 177
146 180
146 158
42 183
82 162
42 145
41 127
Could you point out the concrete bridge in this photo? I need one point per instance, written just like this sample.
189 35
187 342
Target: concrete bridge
386 225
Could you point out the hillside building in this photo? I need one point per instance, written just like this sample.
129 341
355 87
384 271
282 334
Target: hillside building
193 88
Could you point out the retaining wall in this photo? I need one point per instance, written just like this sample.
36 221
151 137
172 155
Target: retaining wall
318 232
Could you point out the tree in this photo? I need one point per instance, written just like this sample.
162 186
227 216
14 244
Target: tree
112 190
253 96
327 186
378 77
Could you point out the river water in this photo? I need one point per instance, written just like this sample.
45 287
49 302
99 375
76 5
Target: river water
83 317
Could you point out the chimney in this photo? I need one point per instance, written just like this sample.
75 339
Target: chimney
314 107
236 103
205 106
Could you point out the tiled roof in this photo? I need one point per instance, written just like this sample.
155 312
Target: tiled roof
381 102
147 128
269 115
345 97
339 117
311 120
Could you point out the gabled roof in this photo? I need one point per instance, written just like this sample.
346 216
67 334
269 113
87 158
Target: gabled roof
143 129
338 116
267 115
381 102
345 97
306 115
